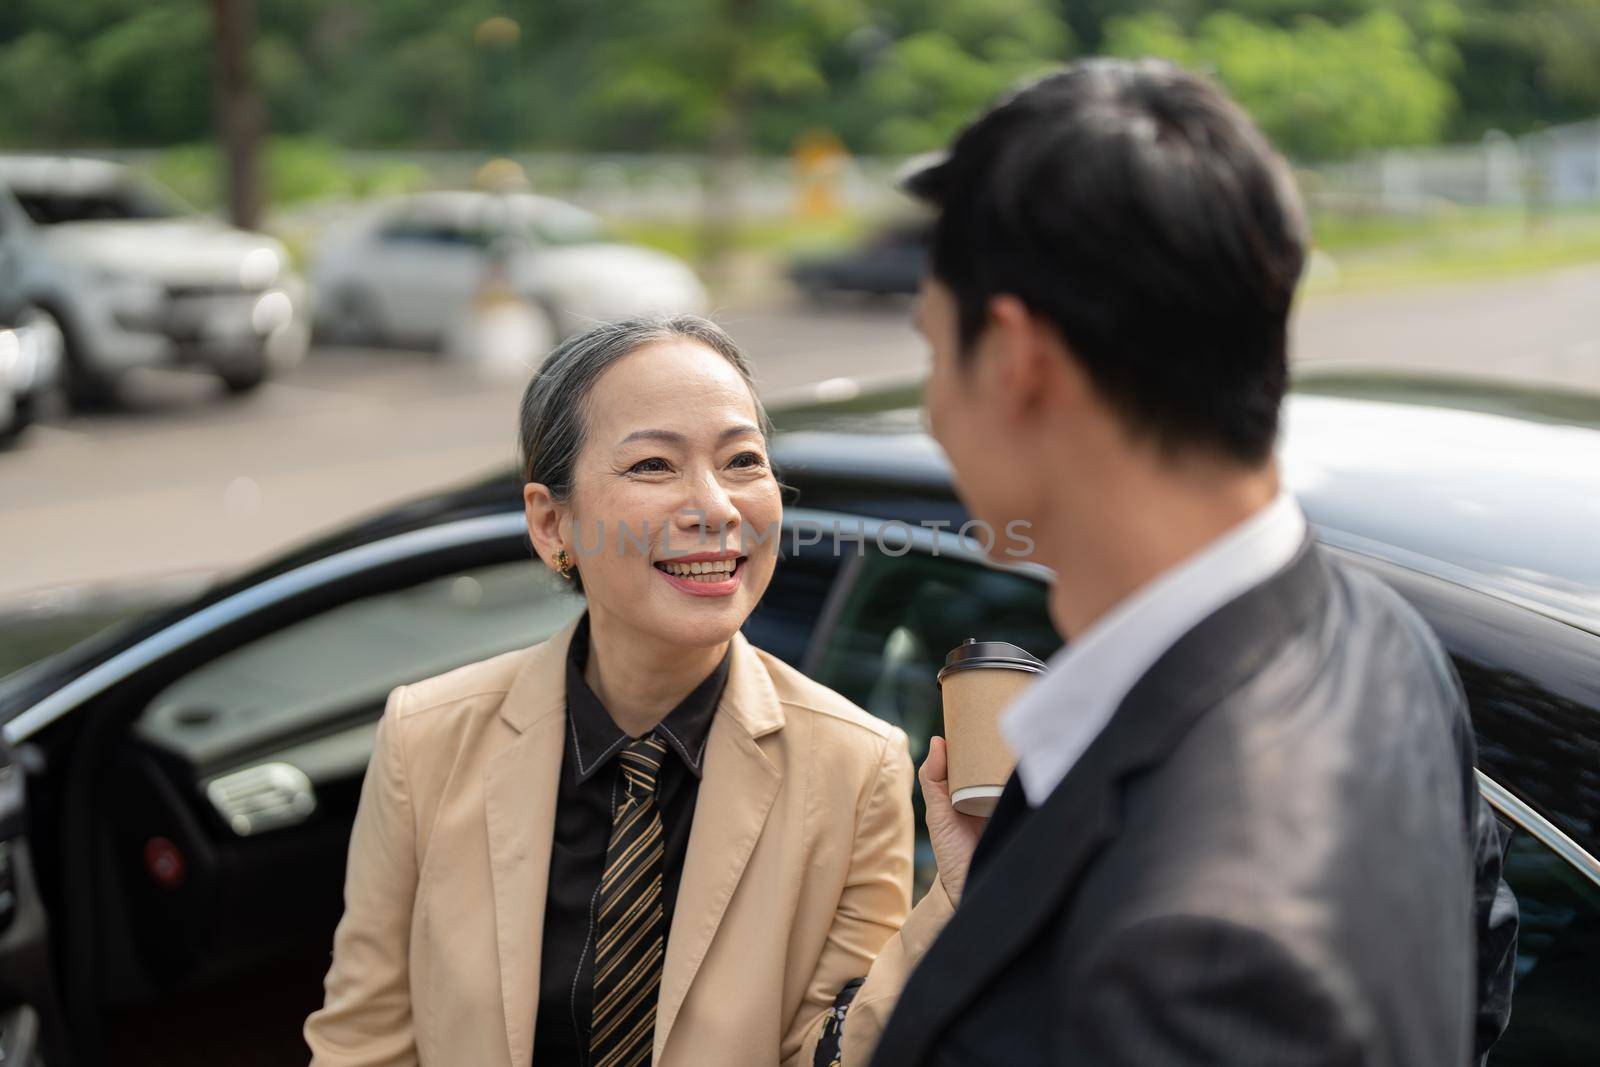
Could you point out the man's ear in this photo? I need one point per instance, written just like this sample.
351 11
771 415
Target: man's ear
545 521
1023 352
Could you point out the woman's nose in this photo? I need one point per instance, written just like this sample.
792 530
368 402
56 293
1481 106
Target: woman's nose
709 506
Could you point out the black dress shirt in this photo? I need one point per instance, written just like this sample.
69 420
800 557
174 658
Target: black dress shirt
589 788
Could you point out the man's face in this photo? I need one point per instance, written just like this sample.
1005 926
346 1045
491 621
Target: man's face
966 411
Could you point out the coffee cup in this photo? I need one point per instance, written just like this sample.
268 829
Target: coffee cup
979 679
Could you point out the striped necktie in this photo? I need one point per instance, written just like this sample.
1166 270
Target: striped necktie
630 934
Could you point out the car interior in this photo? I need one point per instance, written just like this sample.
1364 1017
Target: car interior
201 810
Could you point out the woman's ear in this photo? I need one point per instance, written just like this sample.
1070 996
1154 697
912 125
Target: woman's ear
545 522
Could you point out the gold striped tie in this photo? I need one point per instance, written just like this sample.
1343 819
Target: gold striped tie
630 935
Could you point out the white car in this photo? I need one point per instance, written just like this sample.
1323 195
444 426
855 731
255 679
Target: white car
409 269
30 360
132 277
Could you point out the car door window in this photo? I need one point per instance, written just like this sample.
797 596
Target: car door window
340 664
899 619
785 620
904 614
1553 1017
431 233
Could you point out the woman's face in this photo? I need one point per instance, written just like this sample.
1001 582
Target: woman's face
674 516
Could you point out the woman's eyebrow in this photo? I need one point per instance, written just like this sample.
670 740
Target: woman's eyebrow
665 436
743 429
672 437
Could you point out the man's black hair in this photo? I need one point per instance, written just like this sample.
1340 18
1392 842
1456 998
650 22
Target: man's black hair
1137 208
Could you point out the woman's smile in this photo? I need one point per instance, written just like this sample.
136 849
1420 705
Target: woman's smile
704 574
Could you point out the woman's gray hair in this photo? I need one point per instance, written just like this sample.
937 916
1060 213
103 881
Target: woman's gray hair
554 406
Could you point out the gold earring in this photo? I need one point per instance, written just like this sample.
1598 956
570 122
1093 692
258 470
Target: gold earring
564 564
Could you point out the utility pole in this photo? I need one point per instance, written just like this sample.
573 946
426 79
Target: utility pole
239 113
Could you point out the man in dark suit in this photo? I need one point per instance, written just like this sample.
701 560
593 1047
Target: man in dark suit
1244 827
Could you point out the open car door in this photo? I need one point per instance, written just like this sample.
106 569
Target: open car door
31 1033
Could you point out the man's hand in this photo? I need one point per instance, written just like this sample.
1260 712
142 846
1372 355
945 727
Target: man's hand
952 834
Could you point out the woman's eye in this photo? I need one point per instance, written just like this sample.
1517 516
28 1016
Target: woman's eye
650 466
748 459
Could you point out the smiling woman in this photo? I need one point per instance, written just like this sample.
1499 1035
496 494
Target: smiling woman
666 403
645 455
642 840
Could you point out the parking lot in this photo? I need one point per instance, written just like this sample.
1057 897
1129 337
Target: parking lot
185 482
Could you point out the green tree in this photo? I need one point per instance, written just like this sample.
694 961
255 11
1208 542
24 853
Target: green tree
42 82
703 69
949 60
1527 64
1321 91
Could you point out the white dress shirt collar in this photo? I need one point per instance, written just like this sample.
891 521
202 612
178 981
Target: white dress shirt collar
1058 717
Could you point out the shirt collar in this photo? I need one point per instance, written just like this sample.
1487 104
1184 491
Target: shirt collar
594 737
1058 717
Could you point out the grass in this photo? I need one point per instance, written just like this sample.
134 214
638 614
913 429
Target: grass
1354 252
1358 253
776 238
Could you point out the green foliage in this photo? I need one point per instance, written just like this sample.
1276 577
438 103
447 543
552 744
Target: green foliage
43 101
1531 63
953 59
1326 77
295 169
685 69
1320 91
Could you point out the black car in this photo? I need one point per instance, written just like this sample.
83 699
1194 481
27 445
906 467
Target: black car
190 779
890 263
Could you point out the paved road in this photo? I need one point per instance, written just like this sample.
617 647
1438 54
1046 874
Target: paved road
186 482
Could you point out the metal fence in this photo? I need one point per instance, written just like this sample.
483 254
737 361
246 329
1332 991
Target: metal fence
1558 167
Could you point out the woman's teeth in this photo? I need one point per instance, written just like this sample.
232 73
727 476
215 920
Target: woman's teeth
716 570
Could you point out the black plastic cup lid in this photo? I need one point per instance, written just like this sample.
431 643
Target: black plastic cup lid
972 654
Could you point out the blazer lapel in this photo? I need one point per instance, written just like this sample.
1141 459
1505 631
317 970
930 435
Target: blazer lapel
1029 872
1018 887
520 803
737 790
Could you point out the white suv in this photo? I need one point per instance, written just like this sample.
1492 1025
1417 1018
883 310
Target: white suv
132 277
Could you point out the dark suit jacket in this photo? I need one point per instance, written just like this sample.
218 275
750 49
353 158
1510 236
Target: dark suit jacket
1271 855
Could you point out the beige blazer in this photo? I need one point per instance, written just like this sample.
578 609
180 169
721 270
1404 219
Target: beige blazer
798 873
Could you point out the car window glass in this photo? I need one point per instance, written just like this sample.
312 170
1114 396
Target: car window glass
424 227
436 234
127 201
900 618
785 620
904 615
343 662
1553 1018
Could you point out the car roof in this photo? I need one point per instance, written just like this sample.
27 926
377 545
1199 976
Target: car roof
61 174
1493 488
1492 485
1507 504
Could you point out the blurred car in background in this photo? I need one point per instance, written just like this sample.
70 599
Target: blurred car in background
409 268
30 361
889 264
132 277
192 776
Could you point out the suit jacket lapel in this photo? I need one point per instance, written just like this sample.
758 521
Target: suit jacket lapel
1028 872
520 804
1009 810
737 790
